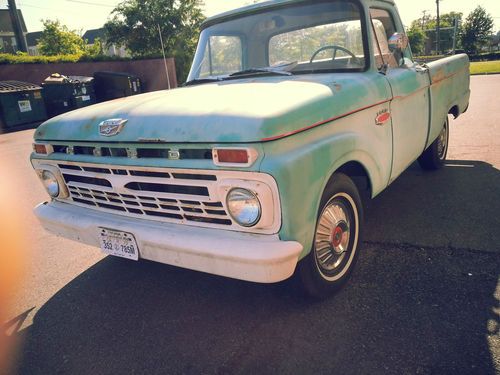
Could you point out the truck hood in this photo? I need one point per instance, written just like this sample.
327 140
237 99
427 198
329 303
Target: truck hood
239 111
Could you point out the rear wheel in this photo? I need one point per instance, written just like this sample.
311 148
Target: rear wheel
433 158
336 239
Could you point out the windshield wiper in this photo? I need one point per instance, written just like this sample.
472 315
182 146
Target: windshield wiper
201 80
253 71
283 69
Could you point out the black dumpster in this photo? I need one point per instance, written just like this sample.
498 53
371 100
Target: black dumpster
113 85
21 103
65 93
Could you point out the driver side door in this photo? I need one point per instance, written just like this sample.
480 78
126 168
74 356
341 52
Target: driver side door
410 103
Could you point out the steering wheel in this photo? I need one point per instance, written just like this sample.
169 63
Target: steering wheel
335 49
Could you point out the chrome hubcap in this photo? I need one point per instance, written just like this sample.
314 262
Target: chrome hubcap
443 142
331 243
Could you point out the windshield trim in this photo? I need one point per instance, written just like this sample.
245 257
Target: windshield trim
364 37
268 6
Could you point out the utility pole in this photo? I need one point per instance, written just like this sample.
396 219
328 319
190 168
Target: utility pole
455 32
424 19
438 30
18 29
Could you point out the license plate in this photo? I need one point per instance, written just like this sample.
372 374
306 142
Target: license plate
118 243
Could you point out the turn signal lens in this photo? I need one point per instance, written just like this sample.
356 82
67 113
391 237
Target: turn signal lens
40 148
231 156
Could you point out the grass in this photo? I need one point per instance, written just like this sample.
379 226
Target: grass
485 67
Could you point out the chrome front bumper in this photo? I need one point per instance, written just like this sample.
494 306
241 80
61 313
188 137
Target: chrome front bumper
244 256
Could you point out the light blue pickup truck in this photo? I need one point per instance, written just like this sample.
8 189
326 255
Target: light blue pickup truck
293 110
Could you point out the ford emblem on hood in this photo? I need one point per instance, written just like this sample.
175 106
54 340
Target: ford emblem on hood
111 127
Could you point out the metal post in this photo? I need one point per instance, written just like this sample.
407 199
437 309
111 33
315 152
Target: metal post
438 31
16 23
164 58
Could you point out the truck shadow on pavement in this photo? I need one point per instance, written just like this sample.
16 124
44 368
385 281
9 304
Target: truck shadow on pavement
456 206
408 308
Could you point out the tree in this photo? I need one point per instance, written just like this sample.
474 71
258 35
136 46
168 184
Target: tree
57 39
428 25
448 19
136 24
426 22
417 39
476 30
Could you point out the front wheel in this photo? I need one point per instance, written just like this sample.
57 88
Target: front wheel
336 239
433 158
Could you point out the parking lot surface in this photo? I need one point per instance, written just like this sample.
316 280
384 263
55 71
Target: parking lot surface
424 298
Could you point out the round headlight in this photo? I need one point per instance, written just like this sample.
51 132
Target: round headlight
244 207
50 183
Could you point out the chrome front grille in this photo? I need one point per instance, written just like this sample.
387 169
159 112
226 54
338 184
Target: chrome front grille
165 195
134 151
195 211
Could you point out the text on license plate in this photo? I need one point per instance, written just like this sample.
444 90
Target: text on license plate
118 243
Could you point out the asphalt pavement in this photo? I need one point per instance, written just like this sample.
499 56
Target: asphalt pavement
424 298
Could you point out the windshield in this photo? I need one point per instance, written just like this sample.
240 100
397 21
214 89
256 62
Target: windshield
312 38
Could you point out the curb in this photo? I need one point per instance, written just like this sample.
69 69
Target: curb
485 74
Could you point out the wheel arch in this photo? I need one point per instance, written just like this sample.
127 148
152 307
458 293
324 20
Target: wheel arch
455 111
362 169
358 173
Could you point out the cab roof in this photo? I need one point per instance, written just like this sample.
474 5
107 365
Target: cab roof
255 8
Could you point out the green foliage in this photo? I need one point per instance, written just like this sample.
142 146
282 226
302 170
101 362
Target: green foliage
57 39
476 30
95 49
417 39
427 22
448 19
428 25
7 58
136 24
485 67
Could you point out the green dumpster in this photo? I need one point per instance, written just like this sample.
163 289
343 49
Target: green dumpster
66 93
21 103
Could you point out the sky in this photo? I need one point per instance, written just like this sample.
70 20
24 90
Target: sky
83 15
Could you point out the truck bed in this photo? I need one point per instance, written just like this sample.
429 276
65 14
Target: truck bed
449 91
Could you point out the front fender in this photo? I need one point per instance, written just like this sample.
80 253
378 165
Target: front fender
303 164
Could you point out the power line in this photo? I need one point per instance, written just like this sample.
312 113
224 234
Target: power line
22 4
90 3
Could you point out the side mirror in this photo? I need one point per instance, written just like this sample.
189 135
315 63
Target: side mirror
398 42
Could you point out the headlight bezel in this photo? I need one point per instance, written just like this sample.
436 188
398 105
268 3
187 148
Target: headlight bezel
237 217
41 168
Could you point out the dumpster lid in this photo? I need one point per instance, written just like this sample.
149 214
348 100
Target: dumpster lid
81 79
114 74
13 86
59 79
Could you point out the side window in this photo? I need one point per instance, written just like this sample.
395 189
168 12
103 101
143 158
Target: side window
383 28
223 55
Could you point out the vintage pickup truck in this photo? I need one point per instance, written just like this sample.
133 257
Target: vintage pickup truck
255 169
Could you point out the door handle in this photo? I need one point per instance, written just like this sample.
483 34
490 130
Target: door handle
422 69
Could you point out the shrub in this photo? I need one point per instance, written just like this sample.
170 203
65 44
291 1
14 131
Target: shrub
6 58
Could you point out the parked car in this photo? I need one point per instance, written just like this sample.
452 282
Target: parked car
256 169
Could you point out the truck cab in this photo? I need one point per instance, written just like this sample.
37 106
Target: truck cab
255 169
